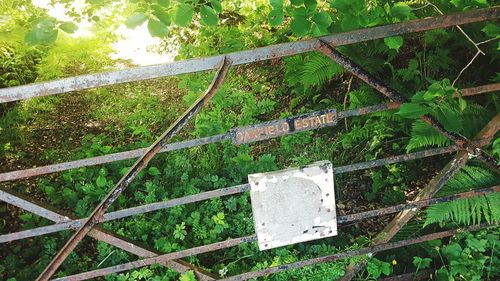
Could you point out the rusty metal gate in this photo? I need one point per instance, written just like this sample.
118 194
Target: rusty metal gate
465 149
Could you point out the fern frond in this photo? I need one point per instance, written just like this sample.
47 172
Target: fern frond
466 211
319 69
423 135
474 118
467 177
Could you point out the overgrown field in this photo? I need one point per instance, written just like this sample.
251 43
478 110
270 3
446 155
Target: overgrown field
427 67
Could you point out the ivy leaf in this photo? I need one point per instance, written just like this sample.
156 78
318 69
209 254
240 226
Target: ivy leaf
216 5
412 110
276 17
449 117
157 28
300 26
394 42
44 31
491 30
68 27
208 16
135 19
184 15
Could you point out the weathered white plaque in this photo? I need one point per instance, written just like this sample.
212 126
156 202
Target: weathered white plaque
293 205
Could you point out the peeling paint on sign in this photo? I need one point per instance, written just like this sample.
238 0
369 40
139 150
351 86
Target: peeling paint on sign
294 205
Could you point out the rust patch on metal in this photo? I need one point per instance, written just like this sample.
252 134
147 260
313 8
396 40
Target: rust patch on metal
281 127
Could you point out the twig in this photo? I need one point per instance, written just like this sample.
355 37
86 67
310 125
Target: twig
345 98
465 67
109 255
476 45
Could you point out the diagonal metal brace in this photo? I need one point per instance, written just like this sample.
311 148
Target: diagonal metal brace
461 141
58 216
434 185
138 166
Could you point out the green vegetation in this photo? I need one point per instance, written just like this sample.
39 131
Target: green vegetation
426 67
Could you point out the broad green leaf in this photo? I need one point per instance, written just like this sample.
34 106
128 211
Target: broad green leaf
401 11
412 110
310 5
216 5
276 3
449 118
163 17
153 171
44 31
322 19
164 3
491 30
208 15
394 42
297 2
135 19
300 26
276 17
68 27
157 28
184 15
101 181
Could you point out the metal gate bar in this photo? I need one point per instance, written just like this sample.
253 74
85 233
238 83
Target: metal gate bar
434 185
137 167
20 174
461 141
260 54
236 241
97 233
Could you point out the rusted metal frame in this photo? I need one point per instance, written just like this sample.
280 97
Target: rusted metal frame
139 210
434 185
137 167
75 224
348 254
461 141
53 168
341 219
252 238
125 155
97 233
243 57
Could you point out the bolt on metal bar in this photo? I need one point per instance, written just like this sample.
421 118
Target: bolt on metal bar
97 233
352 253
260 54
434 185
138 166
252 238
461 141
53 168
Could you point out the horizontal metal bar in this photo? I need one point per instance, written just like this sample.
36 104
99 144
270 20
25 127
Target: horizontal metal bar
353 253
236 241
415 205
118 241
166 257
212 194
53 168
74 224
98 213
265 53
